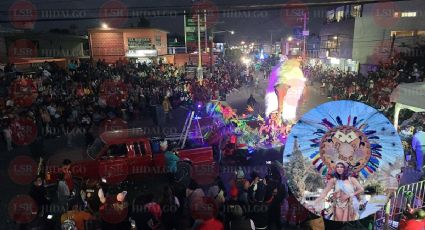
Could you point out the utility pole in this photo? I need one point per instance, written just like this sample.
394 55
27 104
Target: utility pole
305 35
206 31
271 40
200 71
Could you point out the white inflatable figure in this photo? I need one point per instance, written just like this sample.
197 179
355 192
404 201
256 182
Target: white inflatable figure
285 89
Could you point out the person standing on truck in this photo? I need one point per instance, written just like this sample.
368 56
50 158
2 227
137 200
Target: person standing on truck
66 170
171 159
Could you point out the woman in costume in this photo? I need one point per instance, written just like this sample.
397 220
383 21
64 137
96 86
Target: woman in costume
345 192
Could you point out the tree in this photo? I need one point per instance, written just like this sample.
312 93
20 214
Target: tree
296 171
301 174
144 22
314 182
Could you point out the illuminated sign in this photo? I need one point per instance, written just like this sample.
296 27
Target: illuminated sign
139 43
142 53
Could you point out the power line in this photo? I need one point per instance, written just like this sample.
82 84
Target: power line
239 7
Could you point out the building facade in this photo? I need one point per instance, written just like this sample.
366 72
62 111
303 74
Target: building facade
140 44
336 36
26 46
386 30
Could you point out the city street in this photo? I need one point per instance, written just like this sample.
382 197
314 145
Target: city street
56 149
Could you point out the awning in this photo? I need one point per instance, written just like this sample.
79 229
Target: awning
408 96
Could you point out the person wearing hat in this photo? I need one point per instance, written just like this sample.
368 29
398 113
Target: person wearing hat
418 145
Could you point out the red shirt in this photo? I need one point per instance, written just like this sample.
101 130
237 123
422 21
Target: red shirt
211 224
412 225
68 179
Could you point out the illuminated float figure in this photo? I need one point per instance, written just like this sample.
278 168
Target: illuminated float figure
285 88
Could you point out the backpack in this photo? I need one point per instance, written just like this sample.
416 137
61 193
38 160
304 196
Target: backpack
69 225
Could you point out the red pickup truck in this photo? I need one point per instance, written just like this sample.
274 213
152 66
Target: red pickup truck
127 154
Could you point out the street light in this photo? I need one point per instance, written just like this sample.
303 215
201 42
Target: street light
289 39
335 37
105 26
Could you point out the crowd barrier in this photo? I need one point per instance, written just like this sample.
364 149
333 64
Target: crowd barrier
390 216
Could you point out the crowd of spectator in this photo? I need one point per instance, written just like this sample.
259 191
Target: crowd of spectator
374 88
84 94
239 202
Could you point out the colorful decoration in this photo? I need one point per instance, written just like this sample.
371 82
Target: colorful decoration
252 131
346 131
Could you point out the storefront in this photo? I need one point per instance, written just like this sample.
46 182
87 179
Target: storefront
134 44
342 64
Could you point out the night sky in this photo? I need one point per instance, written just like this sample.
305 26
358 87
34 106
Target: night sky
255 25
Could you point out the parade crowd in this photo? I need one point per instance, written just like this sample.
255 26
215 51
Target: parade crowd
374 88
85 94
241 202
64 101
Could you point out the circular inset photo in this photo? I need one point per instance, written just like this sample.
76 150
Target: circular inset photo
342 159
